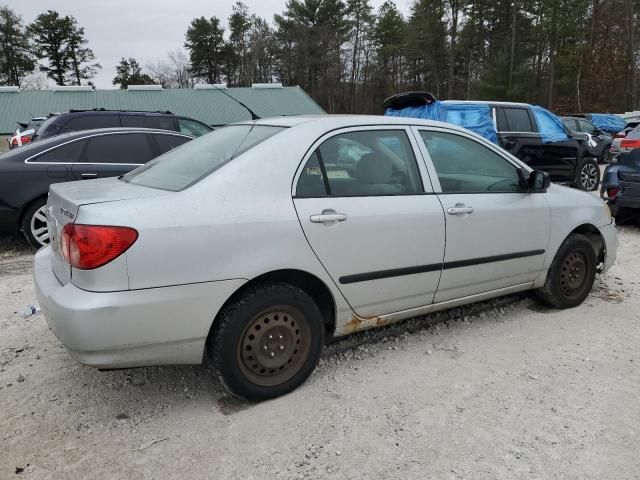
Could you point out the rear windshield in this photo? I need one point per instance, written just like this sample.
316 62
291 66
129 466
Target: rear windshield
182 167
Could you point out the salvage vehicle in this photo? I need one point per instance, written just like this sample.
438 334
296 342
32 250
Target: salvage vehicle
531 133
596 141
25 132
621 180
251 245
76 120
26 173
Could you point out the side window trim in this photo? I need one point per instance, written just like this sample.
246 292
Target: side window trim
424 175
437 187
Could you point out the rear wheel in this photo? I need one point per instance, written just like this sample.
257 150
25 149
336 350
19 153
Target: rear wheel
34 224
571 274
589 175
267 342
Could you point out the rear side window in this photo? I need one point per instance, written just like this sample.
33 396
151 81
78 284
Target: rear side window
148 121
518 120
191 127
132 148
87 122
67 153
365 163
182 167
169 142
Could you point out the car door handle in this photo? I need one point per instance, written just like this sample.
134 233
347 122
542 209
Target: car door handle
328 217
88 175
459 209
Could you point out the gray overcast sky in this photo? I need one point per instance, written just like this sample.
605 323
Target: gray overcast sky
144 29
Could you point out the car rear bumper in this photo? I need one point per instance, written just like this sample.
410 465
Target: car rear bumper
610 238
133 328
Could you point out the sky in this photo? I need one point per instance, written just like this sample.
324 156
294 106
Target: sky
143 29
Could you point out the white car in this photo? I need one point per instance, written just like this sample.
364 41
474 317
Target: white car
250 246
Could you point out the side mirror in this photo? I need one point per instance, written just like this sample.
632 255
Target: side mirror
538 181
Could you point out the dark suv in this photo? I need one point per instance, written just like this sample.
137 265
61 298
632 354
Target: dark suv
77 120
530 133
596 140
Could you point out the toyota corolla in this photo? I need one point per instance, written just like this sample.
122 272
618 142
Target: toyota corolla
251 246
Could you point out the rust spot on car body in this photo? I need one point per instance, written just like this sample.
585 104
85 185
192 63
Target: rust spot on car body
358 323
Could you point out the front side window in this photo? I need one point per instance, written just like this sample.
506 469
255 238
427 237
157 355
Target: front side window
587 127
191 127
365 163
466 166
184 166
169 142
131 148
67 153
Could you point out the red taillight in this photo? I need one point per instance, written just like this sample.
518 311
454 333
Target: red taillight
14 140
620 135
92 246
612 192
630 143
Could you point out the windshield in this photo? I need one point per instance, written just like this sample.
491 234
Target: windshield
182 167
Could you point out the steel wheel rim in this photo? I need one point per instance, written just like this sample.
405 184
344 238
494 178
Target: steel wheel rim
589 176
274 346
573 274
38 226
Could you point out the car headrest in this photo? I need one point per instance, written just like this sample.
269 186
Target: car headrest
373 169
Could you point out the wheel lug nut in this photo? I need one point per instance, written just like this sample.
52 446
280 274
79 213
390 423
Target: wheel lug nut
281 347
270 337
280 337
273 354
265 348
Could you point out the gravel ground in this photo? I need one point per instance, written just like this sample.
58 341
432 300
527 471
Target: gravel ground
505 390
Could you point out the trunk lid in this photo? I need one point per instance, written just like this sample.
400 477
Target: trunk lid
65 200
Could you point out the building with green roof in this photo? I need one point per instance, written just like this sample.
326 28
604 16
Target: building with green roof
208 103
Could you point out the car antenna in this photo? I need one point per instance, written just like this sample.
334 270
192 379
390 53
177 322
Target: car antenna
254 116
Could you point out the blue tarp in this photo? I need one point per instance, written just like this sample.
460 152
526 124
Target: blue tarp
472 116
608 122
550 126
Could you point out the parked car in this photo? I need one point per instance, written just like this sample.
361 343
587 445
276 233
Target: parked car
77 120
614 150
25 132
251 245
621 180
596 141
531 133
26 173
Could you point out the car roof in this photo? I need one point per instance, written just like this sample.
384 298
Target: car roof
331 122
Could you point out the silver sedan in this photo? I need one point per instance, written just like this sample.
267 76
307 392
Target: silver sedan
251 246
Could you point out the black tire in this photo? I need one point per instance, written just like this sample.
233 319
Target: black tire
252 365
571 274
26 224
588 176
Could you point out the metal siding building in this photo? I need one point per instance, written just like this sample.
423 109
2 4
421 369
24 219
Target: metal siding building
208 105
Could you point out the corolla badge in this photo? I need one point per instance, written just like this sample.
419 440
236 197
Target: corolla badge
67 213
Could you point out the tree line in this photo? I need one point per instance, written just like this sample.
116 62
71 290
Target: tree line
568 55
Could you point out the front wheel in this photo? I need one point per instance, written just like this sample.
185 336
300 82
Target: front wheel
571 274
34 224
588 178
267 342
